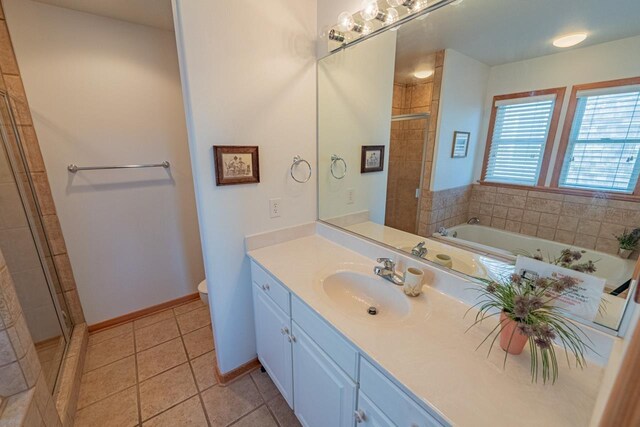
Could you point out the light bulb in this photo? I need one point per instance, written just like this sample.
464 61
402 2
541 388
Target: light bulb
419 5
367 28
395 3
346 21
370 10
392 16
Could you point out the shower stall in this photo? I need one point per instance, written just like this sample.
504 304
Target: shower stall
27 252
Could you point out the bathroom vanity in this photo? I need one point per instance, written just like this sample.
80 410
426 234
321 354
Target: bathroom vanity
412 364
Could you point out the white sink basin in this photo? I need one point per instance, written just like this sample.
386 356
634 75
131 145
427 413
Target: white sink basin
355 293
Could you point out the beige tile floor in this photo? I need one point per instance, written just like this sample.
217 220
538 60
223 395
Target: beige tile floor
158 371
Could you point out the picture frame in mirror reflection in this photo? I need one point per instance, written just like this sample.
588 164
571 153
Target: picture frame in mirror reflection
372 158
460 146
236 164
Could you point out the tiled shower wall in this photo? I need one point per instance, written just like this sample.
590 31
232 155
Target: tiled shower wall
22 384
407 145
55 250
588 222
405 154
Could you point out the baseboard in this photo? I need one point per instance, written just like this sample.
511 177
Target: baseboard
224 379
141 313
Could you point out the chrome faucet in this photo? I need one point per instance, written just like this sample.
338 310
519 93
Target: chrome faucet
474 220
388 271
443 231
419 250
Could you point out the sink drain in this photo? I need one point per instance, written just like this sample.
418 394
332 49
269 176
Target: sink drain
372 311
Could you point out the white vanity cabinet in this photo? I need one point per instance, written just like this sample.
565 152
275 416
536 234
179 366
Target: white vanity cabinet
323 394
322 376
273 340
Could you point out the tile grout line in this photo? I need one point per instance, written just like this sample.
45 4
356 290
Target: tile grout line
266 402
193 375
132 321
249 413
135 355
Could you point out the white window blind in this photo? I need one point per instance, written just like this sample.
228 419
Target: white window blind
604 143
519 138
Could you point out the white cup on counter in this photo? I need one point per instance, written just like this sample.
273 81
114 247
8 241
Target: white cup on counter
413 279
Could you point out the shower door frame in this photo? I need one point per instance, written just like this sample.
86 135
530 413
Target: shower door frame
33 227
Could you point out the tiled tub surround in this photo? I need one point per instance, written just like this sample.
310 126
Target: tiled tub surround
159 371
444 208
441 367
587 222
52 238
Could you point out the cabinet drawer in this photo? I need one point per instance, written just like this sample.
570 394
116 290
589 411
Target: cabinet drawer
339 349
391 400
278 293
369 415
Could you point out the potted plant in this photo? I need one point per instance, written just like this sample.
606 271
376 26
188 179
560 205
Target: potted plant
568 259
528 315
627 242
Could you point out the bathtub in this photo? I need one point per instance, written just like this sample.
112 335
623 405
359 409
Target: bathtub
508 245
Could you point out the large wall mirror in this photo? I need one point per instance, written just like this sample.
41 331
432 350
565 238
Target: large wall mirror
500 138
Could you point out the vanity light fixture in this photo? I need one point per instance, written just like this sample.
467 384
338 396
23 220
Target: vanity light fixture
337 36
353 28
423 74
570 40
347 23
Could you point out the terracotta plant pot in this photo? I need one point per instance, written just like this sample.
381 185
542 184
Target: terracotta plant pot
624 253
517 338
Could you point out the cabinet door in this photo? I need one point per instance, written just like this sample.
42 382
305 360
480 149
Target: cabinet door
369 415
273 342
324 395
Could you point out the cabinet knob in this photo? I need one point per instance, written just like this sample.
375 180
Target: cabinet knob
284 330
360 416
292 338
265 287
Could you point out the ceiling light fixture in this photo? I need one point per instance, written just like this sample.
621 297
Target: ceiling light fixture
570 40
423 74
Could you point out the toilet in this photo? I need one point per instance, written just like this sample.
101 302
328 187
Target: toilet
204 294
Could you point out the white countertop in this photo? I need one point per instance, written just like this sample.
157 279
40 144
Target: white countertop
430 353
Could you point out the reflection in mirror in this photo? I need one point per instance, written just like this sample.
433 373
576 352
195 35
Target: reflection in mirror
502 138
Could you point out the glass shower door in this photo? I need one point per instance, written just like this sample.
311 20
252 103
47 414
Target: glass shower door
26 251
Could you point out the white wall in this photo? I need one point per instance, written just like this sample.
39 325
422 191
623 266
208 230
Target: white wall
355 91
607 61
104 91
249 78
464 82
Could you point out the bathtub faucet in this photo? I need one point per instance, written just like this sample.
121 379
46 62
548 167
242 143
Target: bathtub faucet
443 231
474 220
419 250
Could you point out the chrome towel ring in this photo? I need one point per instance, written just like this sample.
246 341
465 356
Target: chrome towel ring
335 159
296 161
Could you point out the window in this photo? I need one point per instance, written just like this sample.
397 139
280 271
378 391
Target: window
522 129
602 145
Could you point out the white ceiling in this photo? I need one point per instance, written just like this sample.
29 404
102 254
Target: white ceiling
502 31
154 13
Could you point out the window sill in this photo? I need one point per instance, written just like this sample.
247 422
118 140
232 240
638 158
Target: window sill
567 191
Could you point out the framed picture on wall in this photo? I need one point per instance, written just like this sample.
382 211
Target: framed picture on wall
236 164
372 159
460 144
